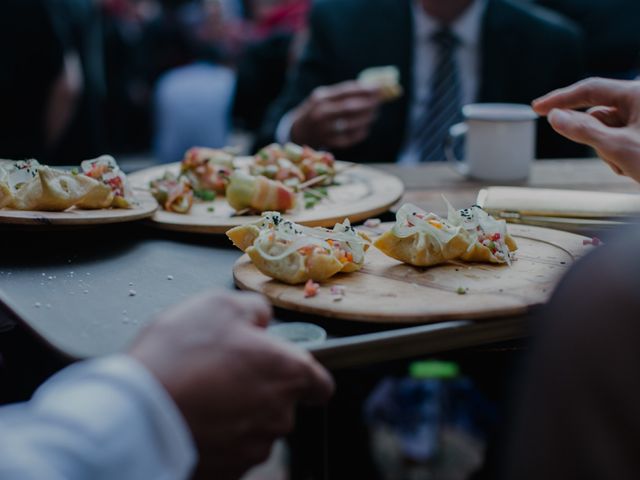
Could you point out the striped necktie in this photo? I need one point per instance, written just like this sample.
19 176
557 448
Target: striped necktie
444 102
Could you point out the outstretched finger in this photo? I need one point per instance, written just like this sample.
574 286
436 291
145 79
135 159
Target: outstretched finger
588 93
579 127
616 169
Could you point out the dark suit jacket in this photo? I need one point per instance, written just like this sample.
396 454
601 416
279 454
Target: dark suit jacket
526 52
611 32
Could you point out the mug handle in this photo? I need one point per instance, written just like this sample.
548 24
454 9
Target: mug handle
455 132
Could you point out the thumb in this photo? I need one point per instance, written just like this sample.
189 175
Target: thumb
579 127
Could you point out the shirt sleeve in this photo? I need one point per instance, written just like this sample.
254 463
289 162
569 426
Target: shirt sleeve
283 130
100 419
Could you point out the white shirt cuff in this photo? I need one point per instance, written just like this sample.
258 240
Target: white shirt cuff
283 130
126 425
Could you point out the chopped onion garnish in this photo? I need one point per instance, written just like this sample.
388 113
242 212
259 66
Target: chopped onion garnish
483 229
280 238
411 220
372 222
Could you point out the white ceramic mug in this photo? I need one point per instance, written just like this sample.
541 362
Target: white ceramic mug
500 141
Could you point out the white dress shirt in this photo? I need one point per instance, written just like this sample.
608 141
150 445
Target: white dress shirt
468 29
102 419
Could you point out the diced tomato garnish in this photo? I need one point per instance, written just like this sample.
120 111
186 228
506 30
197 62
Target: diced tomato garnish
306 250
286 199
311 289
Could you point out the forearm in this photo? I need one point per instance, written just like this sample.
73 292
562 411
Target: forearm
101 419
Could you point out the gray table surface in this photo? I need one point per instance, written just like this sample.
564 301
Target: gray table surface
75 289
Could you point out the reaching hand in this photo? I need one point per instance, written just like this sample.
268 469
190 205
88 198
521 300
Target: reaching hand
338 116
611 125
236 387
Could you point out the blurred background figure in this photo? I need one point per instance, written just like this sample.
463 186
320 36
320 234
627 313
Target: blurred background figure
51 80
193 92
81 77
448 54
279 35
192 107
130 72
237 63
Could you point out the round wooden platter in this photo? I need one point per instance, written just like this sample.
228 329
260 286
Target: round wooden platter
75 217
361 192
388 291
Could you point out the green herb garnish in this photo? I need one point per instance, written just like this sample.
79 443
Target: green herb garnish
204 194
313 196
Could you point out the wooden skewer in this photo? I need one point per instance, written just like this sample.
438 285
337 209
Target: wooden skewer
240 213
348 167
312 182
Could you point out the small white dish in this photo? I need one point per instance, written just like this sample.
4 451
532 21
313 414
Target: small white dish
301 333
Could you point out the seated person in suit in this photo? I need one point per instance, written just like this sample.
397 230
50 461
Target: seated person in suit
448 54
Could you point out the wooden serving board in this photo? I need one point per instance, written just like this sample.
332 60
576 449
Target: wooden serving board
388 291
362 192
76 217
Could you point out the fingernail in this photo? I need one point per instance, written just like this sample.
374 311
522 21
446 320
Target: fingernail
558 117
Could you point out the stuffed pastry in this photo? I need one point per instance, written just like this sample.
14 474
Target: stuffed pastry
105 170
274 162
6 195
316 163
173 194
295 254
258 193
208 170
14 174
293 164
28 185
423 239
490 241
387 79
